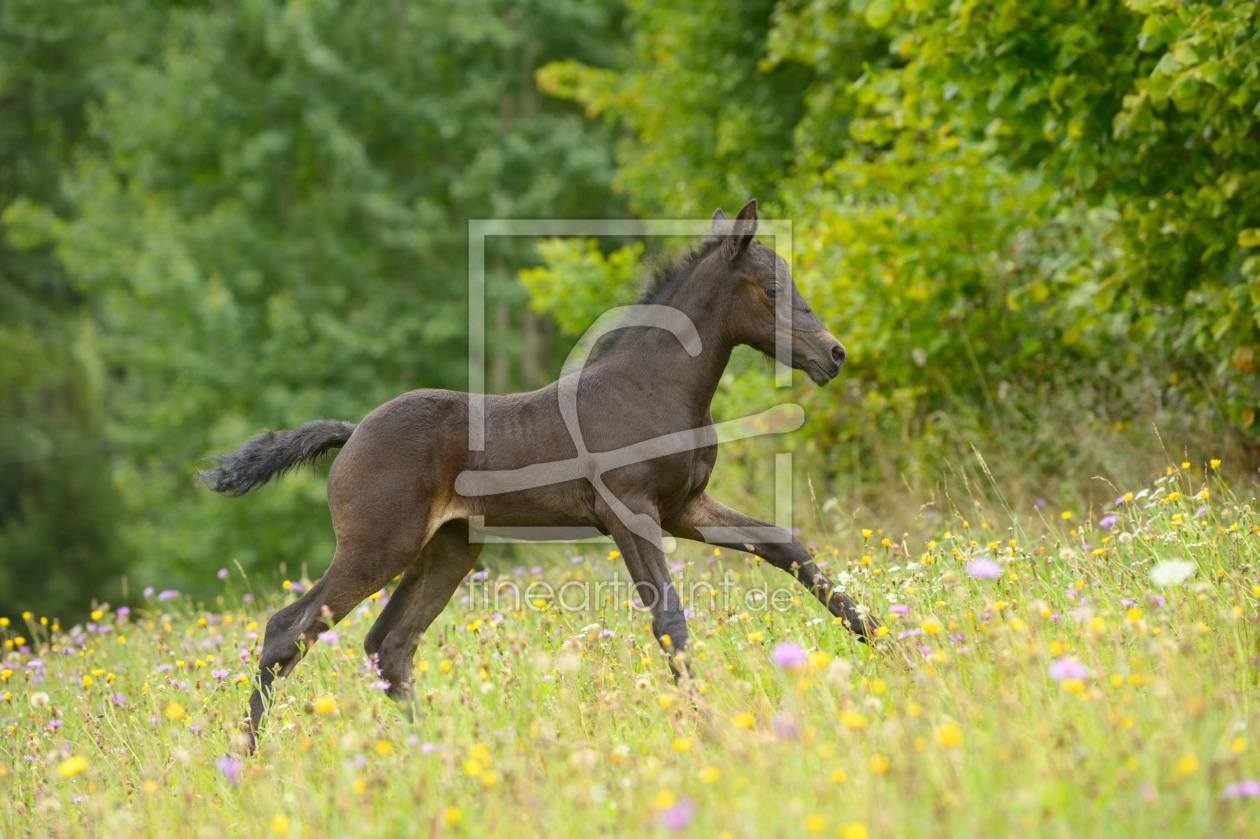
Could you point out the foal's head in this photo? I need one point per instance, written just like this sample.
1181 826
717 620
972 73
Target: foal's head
761 298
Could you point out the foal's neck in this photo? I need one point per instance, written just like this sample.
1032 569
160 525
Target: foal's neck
656 359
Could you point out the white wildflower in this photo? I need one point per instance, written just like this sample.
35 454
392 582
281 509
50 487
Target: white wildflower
1171 572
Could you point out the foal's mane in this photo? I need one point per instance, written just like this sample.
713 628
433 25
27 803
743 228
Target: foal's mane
665 274
668 272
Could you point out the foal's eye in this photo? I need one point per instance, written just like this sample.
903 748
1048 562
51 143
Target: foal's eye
773 290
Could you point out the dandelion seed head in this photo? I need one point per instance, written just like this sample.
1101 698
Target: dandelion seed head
1170 572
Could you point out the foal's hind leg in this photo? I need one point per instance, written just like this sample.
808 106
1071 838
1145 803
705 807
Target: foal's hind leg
425 590
355 573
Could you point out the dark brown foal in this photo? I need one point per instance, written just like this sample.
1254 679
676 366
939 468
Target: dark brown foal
623 445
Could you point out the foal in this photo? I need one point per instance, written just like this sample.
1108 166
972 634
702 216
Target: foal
407 481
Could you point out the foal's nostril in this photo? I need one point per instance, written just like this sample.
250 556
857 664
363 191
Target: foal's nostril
837 354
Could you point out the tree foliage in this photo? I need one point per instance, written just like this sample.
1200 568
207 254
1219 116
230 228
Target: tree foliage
268 217
1005 208
58 507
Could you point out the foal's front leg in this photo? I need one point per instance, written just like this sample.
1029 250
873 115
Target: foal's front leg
705 519
645 561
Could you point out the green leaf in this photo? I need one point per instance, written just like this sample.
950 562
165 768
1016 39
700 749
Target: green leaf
1249 238
879 13
1185 55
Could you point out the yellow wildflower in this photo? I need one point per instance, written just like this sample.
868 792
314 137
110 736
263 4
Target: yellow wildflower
949 734
72 766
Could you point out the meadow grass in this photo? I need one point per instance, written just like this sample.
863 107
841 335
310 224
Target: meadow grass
1098 678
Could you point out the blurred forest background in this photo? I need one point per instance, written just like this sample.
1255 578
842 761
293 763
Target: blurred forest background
1034 223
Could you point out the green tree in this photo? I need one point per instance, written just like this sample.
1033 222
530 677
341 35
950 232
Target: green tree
59 510
271 225
1143 110
1022 216
706 120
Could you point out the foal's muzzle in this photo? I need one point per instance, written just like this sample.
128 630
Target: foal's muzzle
821 357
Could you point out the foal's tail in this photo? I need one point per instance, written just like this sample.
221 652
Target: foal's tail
261 458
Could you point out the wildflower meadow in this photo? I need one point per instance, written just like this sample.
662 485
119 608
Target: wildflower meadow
1076 674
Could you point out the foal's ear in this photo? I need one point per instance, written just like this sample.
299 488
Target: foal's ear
742 231
721 224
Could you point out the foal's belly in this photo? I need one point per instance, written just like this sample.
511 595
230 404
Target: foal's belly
659 485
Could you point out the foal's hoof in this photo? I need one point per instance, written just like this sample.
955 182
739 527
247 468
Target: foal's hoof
244 742
244 745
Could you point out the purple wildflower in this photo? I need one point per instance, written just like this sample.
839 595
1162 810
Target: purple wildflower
1200 512
1039 503
677 818
1068 668
429 748
899 609
785 726
329 637
380 684
1249 788
219 674
123 611
788 655
148 592
1106 522
169 594
222 574
247 598
230 766
984 569
1157 599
